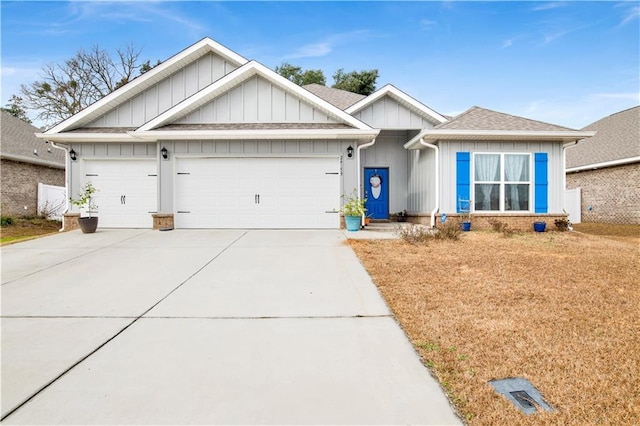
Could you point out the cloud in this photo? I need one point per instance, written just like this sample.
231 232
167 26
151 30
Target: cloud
313 50
630 13
427 24
6 71
548 5
127 11
326 46
507 43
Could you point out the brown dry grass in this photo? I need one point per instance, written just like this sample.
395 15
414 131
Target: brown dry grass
560 309
27 228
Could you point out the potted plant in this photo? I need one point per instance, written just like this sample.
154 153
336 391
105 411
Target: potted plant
401 216
85 199
353 210
466 221
539 226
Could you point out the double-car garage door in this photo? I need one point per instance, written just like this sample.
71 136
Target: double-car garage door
221 192
217 192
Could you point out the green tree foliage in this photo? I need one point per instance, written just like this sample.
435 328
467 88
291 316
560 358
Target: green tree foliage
299 77
15 107
67 88
363 82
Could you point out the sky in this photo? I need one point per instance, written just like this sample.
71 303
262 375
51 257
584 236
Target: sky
564 62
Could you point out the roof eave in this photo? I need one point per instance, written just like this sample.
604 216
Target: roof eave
34 161
87 137
511 135
264 134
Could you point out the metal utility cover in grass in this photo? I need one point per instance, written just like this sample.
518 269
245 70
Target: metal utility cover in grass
521 393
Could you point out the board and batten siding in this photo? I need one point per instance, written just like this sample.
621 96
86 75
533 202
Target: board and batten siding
249 149
166 93
256 100
421 197
387 113
448 151
388 151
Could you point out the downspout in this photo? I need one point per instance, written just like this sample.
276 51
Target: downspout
437 207
564 167
67 166
361 147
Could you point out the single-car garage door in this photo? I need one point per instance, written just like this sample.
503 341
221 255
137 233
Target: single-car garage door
279 192
127 191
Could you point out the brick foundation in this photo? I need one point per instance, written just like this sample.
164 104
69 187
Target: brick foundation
70 221
19 186
162 220
516 221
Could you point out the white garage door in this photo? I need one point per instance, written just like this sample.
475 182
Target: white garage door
127 192
257 192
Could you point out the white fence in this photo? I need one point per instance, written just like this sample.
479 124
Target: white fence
572 204
52 201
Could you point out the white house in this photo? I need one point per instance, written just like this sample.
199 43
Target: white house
209 139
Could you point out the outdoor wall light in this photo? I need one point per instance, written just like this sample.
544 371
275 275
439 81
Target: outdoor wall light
164 153
350 151
73 156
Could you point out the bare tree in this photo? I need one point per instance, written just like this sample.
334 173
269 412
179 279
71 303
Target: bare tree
67 88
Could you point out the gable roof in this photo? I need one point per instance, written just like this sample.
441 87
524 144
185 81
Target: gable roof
617 138
146 80
338 97
19 143
483 124
154 128
402 98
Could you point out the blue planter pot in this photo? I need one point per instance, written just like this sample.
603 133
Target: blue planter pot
465 226
353 223
539 226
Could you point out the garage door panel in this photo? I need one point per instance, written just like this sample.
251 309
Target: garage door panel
127 191
223 192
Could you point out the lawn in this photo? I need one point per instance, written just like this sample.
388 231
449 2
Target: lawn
26 228
560 309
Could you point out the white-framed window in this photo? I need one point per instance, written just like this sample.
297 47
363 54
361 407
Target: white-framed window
502 182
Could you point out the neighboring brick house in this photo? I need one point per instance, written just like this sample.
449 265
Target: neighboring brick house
607 169
25 162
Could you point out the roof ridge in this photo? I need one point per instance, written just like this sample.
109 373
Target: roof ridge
526 118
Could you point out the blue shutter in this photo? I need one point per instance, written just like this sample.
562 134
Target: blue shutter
541 202
463 177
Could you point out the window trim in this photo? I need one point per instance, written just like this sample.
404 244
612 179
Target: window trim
502 183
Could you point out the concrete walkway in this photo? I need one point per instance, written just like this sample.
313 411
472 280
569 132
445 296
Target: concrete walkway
204 327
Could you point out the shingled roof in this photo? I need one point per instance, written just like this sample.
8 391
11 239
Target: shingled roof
336 97
18 143
476 118
617 138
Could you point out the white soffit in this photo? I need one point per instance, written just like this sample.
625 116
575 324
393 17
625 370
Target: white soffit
491 135
235 78
401 97
146 80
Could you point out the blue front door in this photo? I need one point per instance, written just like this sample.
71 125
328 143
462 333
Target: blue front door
376 187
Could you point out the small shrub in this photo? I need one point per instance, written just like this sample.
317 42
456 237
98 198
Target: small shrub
448 231
562 224
415 234
6 221
502 227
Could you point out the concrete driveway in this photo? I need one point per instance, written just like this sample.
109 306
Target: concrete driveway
204 327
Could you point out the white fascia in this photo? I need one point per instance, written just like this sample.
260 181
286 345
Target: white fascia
265 134
232 80
399 95
87 137
513 135
146 80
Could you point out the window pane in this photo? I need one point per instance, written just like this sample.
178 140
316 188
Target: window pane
487 197
516 197
487 167
516 167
